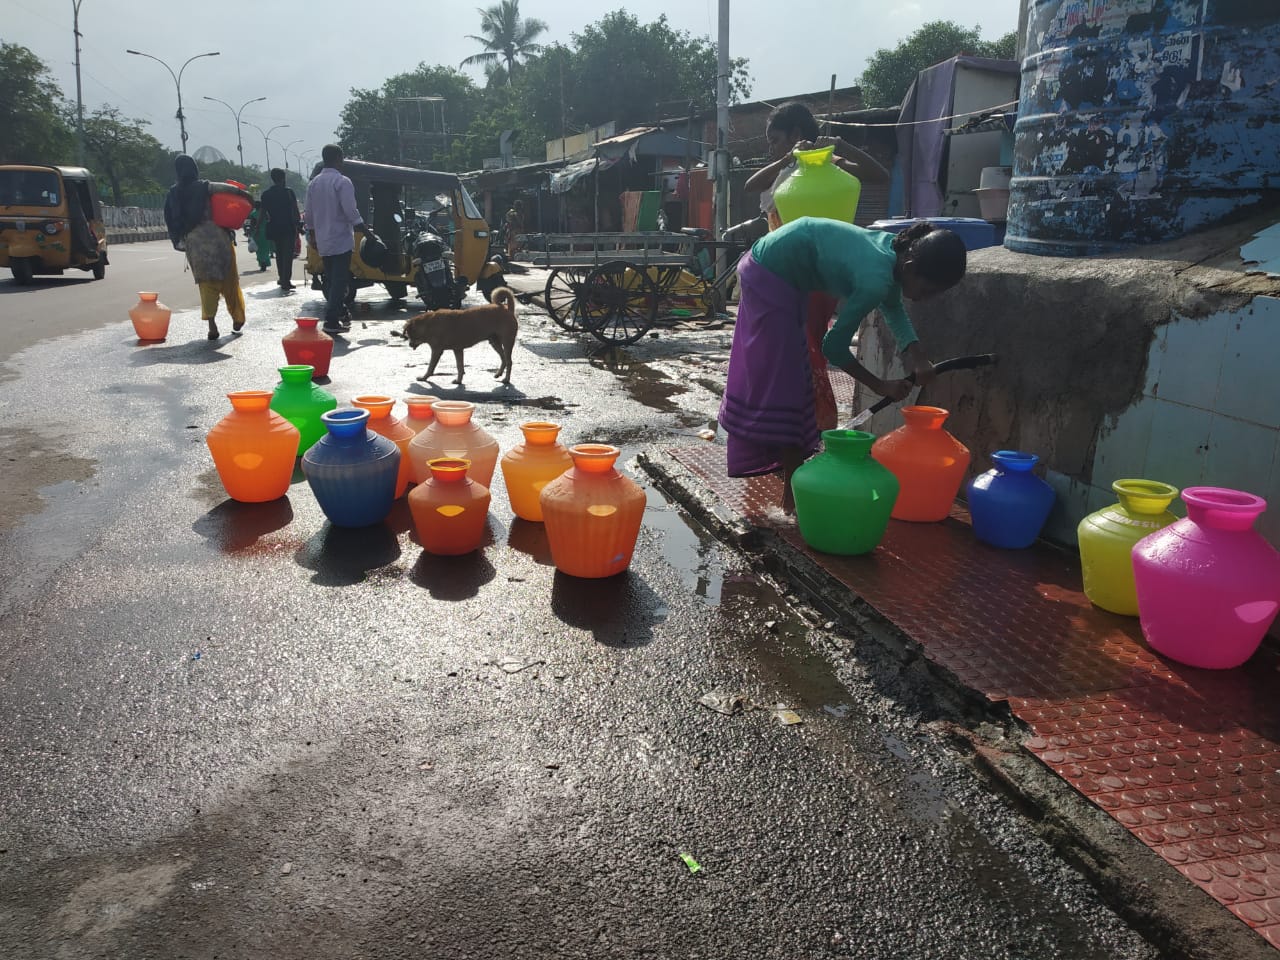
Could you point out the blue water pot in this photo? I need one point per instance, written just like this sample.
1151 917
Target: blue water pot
352 472
1009 504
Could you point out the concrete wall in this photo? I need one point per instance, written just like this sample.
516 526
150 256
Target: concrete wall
133 224
1160 367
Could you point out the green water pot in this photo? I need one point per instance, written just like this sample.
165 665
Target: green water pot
302 403
843 497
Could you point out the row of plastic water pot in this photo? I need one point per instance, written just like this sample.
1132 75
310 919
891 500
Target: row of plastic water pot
846 495
365 458
1206 588
304 344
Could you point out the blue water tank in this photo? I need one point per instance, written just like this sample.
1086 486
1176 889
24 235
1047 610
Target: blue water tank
1142 120
975 233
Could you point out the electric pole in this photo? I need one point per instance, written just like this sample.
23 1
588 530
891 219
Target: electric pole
75 26
722 123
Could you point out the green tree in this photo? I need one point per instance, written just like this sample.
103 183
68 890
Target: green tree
31 110
890 73
620 69
506 36
390 125
121 152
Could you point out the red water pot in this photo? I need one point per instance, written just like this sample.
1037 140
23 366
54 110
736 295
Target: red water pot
306 344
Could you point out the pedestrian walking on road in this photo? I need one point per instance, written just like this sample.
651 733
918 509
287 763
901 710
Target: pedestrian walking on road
331 215
284 223
210 249
768 408
255 230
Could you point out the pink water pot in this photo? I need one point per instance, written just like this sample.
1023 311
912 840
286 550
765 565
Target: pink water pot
1209 585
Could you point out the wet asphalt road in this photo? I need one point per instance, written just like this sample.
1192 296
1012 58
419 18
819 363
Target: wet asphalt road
235 731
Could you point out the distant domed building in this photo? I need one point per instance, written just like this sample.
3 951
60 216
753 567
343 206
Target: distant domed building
208 154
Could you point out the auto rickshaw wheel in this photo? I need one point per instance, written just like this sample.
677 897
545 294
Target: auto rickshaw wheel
99 270
398 291
491 283
22 270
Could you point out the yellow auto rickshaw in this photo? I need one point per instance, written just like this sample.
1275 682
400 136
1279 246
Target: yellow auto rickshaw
50 221
433 235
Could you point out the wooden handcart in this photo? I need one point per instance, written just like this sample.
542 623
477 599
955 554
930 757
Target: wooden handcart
617 286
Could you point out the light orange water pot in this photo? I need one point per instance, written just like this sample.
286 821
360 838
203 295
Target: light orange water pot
592 514
449 510
253 448
420 415
381 421
531 465
150 317
928 462
454 434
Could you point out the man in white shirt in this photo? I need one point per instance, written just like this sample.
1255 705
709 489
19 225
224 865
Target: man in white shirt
331 217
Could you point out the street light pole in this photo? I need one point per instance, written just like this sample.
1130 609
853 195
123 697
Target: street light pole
236 113
177 82
285 148
75 27
265 137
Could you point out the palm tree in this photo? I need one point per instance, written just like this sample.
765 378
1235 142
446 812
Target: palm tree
506 35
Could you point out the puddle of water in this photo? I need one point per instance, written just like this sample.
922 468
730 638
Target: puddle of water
692 552
646 386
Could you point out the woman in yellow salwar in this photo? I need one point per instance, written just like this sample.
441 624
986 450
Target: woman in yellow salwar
209 248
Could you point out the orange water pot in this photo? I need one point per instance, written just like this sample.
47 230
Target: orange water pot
531 465
420 416
306 344
592 514
150 317
253 448
450 510
928 462
453 433
383 423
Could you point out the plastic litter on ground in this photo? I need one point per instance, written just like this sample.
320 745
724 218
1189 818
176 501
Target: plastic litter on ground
1187 760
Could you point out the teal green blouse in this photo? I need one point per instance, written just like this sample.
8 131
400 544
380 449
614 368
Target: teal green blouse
845 261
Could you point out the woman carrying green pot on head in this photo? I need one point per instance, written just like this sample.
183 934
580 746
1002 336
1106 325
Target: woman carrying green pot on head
793 127
768 410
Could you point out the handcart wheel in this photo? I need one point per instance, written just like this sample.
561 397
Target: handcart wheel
618 303
561 295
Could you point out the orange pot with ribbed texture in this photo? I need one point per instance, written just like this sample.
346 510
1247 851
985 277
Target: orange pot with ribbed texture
253 448
928 462
150 317
454 434
531 465
420 416
450 509
592 514
306 344
383 423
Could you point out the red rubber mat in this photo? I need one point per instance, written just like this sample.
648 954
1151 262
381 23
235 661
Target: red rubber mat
1188 760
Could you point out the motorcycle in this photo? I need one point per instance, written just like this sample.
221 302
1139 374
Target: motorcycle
434 276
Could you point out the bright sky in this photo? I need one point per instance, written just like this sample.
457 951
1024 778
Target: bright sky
305 55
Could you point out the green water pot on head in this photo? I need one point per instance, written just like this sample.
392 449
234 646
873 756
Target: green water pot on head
843 497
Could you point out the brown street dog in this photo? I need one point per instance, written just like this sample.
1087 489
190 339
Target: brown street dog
457 330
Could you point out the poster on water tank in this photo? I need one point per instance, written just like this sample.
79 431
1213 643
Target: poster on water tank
1105 19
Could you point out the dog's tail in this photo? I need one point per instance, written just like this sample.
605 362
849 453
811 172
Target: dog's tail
504 297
